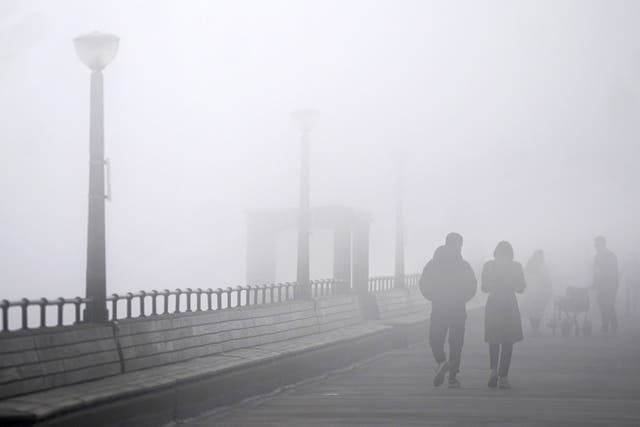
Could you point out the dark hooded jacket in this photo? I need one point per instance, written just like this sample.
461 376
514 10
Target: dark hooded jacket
448 281
605 272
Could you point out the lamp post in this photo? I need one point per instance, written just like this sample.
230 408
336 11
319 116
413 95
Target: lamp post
304 119
399 277
96 50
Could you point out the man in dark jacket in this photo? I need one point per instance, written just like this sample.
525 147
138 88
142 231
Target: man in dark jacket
448 282
605 282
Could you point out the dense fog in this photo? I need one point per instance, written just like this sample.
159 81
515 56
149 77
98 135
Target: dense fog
518 121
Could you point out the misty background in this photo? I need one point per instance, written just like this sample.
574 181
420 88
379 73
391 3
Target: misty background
518 120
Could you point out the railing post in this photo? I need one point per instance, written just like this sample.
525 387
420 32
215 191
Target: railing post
263 293
167 294
249 290
199 299
143 296
43 312
178 292
218 299
23 307
129 298
77 302
4 305
60 304
189 292
229 292
114 306
154 303
210 299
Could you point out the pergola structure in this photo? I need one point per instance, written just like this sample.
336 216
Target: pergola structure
351 242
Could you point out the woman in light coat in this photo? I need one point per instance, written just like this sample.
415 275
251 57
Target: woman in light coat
502 278
539 290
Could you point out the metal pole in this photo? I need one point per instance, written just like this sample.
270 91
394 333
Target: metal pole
96 281
304 220
399 281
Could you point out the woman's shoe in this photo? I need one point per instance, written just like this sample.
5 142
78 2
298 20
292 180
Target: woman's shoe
454 383
493 379
503 383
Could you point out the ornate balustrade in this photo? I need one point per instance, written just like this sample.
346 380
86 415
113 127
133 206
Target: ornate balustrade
412 280
34 314
384 283
42 306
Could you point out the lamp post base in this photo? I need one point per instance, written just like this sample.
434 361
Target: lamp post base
95 314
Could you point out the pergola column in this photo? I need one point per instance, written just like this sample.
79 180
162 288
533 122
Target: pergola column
361 256
342 256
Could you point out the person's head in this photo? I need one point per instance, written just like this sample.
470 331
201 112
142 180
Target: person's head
454 240
600 243
536 260
504 250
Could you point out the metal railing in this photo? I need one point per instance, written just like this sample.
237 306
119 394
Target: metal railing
381 283
34 314
412 280
42 306
385 283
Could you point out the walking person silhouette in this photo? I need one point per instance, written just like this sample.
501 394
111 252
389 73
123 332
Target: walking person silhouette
539 290
605 282
501 278
448 282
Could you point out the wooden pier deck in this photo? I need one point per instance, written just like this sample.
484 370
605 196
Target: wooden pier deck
576 381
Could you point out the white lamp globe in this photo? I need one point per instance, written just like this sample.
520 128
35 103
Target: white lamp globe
96 50
304 119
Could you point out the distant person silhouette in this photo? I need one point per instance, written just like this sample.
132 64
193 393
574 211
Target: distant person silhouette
631 274
539 289
605 282
501 279
448 282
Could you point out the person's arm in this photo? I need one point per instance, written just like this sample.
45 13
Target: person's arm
471 283
426 282
520 284
485 279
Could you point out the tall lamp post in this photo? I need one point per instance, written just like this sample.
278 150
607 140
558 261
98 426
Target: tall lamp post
399 277
96 50
304 119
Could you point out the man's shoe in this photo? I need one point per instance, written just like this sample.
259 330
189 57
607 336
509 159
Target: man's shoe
503 383
441 371
493 379
454 383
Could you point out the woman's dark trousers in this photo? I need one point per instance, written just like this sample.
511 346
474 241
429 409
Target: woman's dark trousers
500 354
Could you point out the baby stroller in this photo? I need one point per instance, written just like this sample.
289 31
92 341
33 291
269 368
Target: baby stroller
568 310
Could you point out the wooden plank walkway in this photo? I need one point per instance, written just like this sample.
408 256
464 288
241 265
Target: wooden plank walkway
577 381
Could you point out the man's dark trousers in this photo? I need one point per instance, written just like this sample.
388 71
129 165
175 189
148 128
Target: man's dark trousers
607 303
445 320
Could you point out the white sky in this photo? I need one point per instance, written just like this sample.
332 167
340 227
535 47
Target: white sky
518 119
